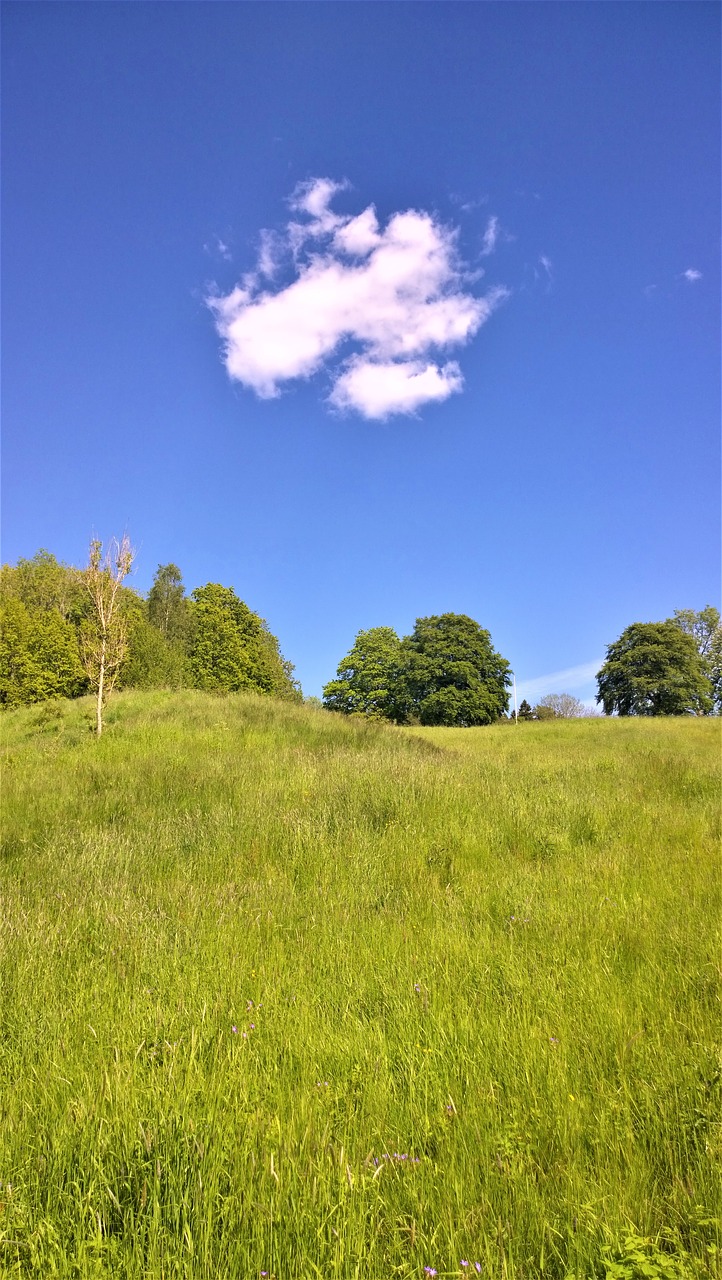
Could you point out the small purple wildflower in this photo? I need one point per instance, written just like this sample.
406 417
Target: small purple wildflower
417 988
253 1026
553 1040
234 1030
463 1263
477 1266
431 1271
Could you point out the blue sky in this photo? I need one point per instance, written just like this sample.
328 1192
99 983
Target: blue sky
371 311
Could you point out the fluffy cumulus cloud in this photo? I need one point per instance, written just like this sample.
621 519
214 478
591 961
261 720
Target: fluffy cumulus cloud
378 307
692 275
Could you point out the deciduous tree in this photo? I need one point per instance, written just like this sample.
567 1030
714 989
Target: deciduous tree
654 669
563 705
168 605
104 634
367 679
232 647
451 674
39 655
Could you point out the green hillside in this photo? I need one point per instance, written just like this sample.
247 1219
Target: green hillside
294 994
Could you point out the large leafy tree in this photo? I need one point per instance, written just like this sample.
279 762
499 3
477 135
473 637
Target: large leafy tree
39 655
232 648
44 583
654 669
40 601
704 628
367 679
451 674
702 625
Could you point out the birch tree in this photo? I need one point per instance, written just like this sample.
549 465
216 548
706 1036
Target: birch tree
104 635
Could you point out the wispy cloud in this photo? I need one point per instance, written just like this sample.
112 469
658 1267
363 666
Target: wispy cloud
218 248
398 293
491 235
560 681
546 265
692 274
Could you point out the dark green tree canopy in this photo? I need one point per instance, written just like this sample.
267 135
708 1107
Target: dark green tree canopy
452 675
446 672
367 678
654 669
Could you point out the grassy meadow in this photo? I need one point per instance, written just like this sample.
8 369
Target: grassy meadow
292 995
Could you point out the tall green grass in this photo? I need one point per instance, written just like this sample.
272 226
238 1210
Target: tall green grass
285 993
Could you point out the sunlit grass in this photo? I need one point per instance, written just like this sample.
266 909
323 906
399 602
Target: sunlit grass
288 993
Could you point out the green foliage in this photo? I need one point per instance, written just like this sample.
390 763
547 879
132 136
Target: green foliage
704 628
525 711
642 1258
444 673
55 640
152 662
39 655
715 669
702 625
232 648
168 609
654 669
544 712
451 675
367 679
254 955
44 584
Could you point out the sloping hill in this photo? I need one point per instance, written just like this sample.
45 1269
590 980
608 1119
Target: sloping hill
295 994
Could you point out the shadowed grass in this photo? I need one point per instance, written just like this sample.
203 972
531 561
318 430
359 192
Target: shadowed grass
289 993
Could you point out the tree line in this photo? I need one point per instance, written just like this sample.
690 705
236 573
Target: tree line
65 632
447 673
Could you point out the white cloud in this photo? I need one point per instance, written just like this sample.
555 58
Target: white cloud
377 390
397 293
691 274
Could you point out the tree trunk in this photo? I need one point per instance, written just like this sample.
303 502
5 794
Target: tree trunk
101 682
